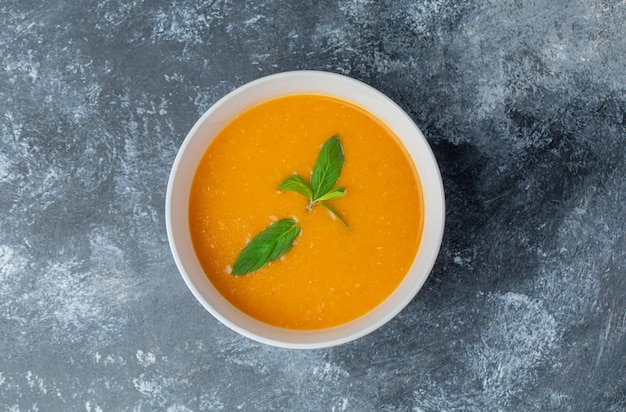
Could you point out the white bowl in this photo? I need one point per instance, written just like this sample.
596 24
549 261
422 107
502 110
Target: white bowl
222 113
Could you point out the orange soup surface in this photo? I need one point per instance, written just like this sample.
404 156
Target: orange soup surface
332 275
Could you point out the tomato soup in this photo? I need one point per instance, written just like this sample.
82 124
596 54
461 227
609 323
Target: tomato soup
332 275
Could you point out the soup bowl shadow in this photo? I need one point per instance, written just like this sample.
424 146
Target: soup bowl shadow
222 113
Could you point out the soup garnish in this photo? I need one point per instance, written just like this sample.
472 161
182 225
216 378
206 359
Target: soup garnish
278 238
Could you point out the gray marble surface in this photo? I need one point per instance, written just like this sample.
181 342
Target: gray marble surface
523 102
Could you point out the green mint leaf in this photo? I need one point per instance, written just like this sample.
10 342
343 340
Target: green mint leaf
327 168
297 184
271 244
333 194
335 214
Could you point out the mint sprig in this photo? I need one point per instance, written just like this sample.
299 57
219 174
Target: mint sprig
279 237
271 244
325 176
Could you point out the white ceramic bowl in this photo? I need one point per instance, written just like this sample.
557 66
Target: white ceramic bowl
224 111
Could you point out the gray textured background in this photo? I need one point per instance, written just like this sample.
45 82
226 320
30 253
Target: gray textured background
523 103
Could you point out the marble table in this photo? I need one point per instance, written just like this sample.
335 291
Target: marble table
523 103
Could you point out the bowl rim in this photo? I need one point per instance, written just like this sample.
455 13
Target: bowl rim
300 82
